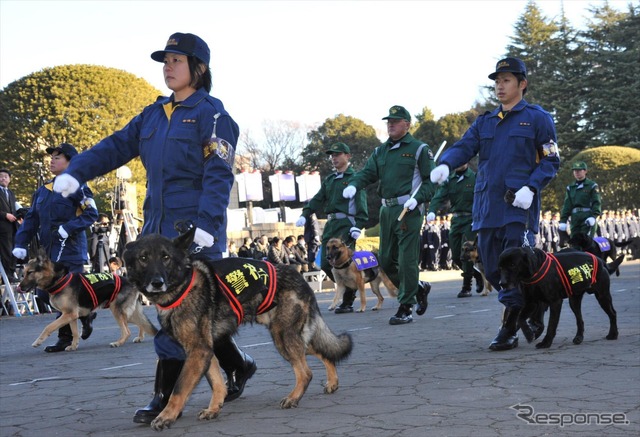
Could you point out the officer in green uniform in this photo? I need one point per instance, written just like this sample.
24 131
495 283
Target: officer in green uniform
458 190
581 202
402 166
345 217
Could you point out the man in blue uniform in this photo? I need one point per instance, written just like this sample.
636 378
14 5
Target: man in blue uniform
516 144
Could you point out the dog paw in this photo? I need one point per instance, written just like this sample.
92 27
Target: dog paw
160 423
330 388
138 339
612 336
207 414
331 307
484 293
543 345
36 343
71 348
114 344
578 339
288 403
376 308
361 310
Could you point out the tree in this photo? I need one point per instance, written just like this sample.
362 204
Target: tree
77 104
614 168
613 82
283 141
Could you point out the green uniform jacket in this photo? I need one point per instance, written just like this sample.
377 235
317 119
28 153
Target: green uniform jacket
329 199
400 167
458 190
584 195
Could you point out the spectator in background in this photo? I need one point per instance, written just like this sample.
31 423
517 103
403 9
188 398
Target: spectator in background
233 251
8 224
261 251
245 250
289 251
301 249
276 255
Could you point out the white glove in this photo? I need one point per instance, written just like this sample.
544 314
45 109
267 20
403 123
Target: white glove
203 238
349 192
354 232
590 221
64 234
562 227
410 204
65 184
431 217
301 221
431 246
524 197
440 174
424 246
20 253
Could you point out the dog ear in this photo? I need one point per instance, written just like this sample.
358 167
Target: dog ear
184 241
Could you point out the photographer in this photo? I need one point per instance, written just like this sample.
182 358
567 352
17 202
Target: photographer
100 251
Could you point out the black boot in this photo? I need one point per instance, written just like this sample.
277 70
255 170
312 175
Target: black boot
402 316
466 287
65 337
238 366
479 281
87 327
347 301
167 372
424 288
507 337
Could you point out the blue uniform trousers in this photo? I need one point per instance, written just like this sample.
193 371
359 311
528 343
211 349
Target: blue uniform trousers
491 243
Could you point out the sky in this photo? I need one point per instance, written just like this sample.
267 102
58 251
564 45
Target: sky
300 61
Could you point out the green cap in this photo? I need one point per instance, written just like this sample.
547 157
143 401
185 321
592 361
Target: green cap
579 165
338 148
399 113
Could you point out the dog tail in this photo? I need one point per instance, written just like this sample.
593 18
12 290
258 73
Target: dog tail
622 243
330 346
613 266
391 289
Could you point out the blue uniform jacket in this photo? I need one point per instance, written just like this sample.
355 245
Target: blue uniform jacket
514 151
48 211
185 179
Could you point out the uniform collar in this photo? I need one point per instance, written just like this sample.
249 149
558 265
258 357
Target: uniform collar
519 107
349 171
191 101
406 139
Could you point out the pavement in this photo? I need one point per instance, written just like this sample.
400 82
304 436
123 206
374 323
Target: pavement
432 377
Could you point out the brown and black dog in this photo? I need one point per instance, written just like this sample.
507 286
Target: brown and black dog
76 295
470 253
550 278
201 301
346 273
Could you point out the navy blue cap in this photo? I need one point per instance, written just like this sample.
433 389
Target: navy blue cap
65 148
509 65
185 44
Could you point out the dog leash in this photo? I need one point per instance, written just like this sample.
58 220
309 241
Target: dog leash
62 243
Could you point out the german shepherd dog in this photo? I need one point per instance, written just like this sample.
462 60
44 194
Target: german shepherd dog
76 295
346 274
470 253
201 301
550 278
585 243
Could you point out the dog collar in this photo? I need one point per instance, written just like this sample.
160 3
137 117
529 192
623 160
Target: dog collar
180 298
345 265
60 284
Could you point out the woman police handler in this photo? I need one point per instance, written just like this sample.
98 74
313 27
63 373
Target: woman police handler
189 175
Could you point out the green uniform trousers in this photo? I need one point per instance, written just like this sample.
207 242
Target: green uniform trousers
459 233
399 251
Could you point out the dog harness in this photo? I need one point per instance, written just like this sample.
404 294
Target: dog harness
98 287
551 260
603 243
241 279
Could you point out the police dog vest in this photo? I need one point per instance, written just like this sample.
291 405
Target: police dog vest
602 243
241 279
95 288
364 260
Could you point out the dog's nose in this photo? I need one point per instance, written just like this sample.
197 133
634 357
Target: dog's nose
157 282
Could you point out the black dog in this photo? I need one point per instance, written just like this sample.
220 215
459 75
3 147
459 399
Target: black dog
551 278
601 247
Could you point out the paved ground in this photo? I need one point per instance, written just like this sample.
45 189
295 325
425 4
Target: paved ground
433 377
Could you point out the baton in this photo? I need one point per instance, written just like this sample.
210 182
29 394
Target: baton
405 210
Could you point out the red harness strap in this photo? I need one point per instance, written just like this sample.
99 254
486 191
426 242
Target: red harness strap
566 284
180 298
60 284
